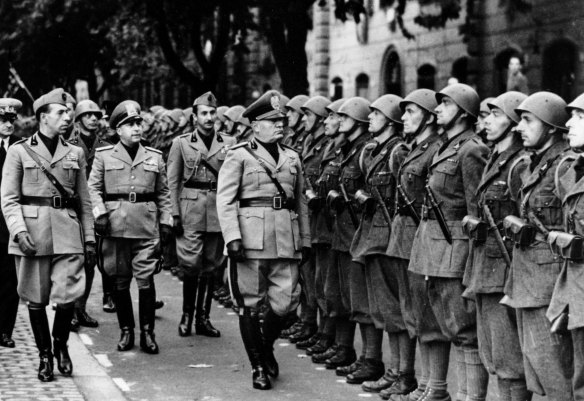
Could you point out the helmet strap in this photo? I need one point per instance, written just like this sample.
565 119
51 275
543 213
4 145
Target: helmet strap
448 126
504 134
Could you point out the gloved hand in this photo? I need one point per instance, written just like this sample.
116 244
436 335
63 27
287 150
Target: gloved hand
26 244
306 252
102 225
165 233
177 226
90 255
235 250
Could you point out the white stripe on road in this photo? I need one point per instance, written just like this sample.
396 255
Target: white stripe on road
103 360
121 383
365 395
86 339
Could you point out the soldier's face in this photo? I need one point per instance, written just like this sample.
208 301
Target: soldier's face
7 125
130 133
481 120
310 120
332 124
269 131
377 122
533 131
90 121
576 129
205 117
229 126
412 118
71 111
496 123
347 123
446 111
293 118
57 120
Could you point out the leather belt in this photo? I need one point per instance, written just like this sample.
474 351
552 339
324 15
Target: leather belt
132 197
449 215
210 185
57 202
275 202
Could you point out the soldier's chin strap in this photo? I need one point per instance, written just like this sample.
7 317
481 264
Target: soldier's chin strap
504 134
450 124
421 127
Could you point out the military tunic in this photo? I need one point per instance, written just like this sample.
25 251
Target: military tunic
272 238
56 271
76 139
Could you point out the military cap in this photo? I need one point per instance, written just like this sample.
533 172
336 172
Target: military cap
87 106
484 106
335 106
297 102
155 108
267 107
176 115
220 113
56 96
388 105
125 112
70 98
234 112
9 106
317 105
507 103
206 99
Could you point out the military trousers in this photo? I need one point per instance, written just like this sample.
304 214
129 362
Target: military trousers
382 276
498 337
322 262
52 278
275 280
124 258
308 299
354 273
547 357
8 293
336 296
199 252
578 375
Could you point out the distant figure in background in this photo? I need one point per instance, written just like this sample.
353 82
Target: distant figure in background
516 81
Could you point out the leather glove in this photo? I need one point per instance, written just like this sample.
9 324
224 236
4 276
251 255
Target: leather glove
306 253
26 244
177 226
165 233
90 255
102 225
235 250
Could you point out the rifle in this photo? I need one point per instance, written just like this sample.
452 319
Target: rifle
384 210
352 213
537 223
409 204
498 237
439 215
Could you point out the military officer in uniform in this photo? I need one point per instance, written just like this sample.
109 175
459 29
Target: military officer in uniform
263 215
132 210
193 166
8 295
547 356
48 213
440 248
379 162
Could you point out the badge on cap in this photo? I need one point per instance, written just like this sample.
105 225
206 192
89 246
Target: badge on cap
275 102
131 110
64 97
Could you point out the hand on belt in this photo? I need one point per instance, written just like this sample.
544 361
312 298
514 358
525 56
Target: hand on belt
276 202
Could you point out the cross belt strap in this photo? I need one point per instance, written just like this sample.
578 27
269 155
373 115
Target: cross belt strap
270 174
51 177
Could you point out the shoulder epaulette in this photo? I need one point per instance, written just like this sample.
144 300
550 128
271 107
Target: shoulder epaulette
239 145
20 141
185 135
153 149
104 148
569 158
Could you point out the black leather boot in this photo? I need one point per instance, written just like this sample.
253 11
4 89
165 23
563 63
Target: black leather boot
307 331
344 357
321 346
348 369
305 344
385 382
322 357
42 336
271 330
189 296
370 370
61 330
404 384
107 283
83 317
125 313
203 326
251 335
146 302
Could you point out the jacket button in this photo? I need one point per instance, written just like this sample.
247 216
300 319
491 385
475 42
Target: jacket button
133 177
132 187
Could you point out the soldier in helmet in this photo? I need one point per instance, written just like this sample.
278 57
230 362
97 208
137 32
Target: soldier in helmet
46 205
262 211
8 295
132 210
547 356
484 112
295 132
71 105
220 122
440 248
244 131
193 168
231 116
489 264
84 135
379 163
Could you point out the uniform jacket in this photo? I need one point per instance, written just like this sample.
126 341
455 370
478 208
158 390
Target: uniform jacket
412 176
114 172
299 140
454 175
4 234
54 231
197 208
75 139
266 233
534 270
373 233
353 179
487 270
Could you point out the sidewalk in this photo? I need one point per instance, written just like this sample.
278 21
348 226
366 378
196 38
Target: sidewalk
18 370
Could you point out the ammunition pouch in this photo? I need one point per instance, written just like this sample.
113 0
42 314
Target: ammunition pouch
366 202
335 201
475 229
518 231
315 202
568 246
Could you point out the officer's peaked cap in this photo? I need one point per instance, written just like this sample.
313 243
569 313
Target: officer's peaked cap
267 107
206 99
9 106
124 113
56 96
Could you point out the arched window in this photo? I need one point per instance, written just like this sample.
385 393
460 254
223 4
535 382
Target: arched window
460 70
337 88
362 85
501 62
391 73
427 77
559 68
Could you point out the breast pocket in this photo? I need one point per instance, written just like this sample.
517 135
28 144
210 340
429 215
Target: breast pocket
412 173
150 173
71 168
352 180
114 175
446 174
548 207
31 172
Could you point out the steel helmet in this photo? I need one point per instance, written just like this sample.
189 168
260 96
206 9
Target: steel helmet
243 120
389 106
297 102
464 96
176 114
234 112
283 101
87 106
548 107
334 106
424 98
317 105
507 103
220 113
577 104
357 108
484 106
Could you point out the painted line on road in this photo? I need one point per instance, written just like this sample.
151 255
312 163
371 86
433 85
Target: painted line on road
320 368
103 360
302 356
365 395
86 339
231 313
121 383
283 344
341 381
